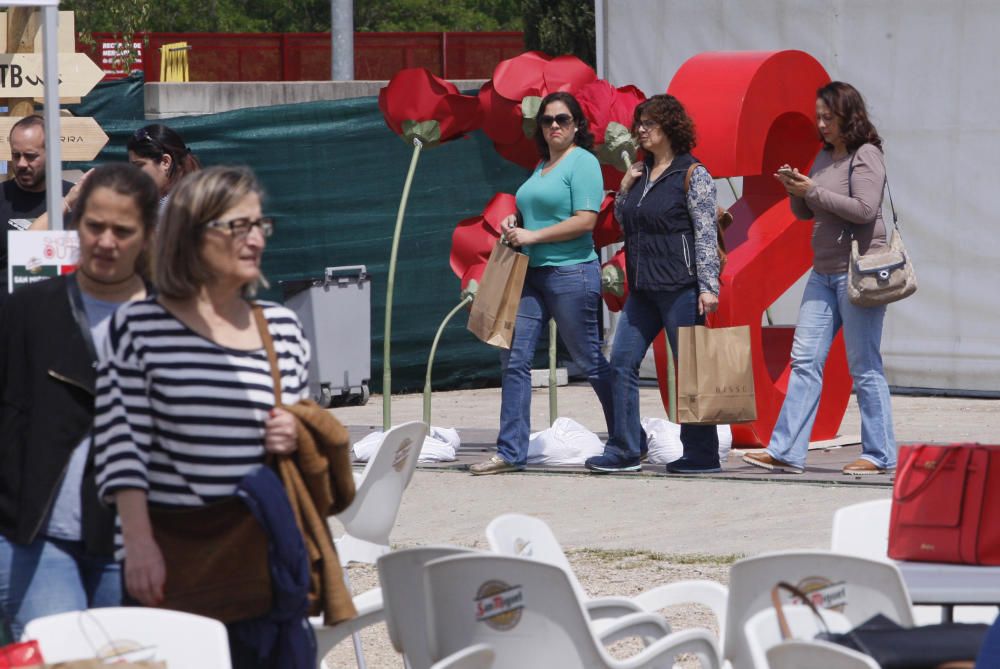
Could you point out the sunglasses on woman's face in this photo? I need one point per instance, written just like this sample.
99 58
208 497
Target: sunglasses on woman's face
564 120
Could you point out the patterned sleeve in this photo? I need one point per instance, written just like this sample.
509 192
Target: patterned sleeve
701 206
123 415
620 198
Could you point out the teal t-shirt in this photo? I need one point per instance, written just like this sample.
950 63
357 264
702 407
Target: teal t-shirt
575 184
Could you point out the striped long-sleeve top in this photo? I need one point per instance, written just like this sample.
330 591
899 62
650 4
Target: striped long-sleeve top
182 417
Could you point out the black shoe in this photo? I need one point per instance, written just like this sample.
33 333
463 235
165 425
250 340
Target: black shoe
685 466
612 462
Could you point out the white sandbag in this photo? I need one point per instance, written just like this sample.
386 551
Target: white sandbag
565 443
664 440
439 445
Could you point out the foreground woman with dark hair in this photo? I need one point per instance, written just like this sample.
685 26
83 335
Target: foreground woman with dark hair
558 205
843 193
56 550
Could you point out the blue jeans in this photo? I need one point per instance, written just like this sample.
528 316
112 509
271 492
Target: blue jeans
53 576
825 309
646 313
571 294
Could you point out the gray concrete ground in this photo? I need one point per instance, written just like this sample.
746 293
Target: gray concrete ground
714 517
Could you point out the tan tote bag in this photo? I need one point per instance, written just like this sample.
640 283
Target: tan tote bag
714 376
494 308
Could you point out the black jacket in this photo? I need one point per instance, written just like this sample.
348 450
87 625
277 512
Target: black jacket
47 378
659 234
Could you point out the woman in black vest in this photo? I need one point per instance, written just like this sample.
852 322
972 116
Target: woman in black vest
672 265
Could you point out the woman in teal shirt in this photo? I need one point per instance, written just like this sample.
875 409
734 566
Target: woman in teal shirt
558 205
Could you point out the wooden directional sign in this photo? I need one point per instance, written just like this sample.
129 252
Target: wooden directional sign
21 75
82 138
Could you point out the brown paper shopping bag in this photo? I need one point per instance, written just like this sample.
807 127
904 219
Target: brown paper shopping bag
494 309
714 376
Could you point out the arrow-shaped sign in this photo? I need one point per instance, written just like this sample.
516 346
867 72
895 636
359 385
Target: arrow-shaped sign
21 75
82 138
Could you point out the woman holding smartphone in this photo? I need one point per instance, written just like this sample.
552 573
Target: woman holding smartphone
843 196
558 204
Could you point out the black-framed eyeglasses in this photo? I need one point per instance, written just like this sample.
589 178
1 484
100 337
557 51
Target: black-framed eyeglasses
239 228
564 120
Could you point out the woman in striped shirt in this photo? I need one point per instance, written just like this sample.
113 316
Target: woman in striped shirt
185 401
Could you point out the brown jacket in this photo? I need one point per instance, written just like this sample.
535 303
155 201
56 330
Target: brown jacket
319 482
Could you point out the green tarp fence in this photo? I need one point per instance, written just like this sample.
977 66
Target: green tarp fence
333 173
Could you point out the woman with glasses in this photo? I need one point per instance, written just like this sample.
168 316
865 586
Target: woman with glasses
160 152
558 206
185 402
672 265
56 551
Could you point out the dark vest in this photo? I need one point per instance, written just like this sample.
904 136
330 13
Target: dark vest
659 233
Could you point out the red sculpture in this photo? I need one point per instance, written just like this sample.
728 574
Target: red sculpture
474 238
755 111
610 111
417 103
509 101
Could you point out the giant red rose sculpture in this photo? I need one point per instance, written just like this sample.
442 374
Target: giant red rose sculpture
425 111
509 101
418 105
610 111
608 230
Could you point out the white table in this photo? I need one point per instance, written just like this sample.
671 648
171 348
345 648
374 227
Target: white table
950 585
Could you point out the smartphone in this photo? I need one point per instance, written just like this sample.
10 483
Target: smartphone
787 172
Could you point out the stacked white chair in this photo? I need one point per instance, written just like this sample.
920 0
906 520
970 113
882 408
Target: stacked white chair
860 587
524 536
179 639
763 631
367 523
529 614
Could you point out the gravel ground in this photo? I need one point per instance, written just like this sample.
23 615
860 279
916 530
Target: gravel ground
602 573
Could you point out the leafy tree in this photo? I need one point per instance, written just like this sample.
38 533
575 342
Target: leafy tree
561 27
435 15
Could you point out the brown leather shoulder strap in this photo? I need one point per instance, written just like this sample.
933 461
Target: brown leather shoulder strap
786 632
687 177
272 357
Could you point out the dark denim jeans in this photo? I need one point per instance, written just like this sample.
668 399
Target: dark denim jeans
646 313
571 294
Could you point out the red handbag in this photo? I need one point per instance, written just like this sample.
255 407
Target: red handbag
946 505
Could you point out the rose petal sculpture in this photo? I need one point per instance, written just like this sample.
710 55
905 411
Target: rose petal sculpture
607 231
474 238
610 111
424 110
509 101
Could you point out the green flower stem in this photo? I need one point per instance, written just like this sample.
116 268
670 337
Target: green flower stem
553 377
430 359
387 335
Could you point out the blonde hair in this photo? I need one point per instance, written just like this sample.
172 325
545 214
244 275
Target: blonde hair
200 197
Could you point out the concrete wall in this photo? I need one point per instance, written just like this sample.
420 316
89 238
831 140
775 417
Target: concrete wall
929 72
168 100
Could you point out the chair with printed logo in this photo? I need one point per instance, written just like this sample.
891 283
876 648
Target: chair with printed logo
529 614
763 631
857 587
529 537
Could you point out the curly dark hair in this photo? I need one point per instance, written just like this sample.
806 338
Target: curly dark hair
668 112
848 106
584 138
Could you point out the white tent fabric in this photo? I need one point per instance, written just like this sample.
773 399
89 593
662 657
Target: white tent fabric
928 71
663 439
440 445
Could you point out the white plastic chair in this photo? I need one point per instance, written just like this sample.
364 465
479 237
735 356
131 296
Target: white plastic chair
519 535
798 654
529 613
863 587
762 630
369 519
401 574
370 612
179 639
863 529
479 656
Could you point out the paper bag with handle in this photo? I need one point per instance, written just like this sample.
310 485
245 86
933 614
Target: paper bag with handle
714 376
494 309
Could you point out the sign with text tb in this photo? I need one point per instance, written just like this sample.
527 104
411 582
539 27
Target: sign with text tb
21 75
